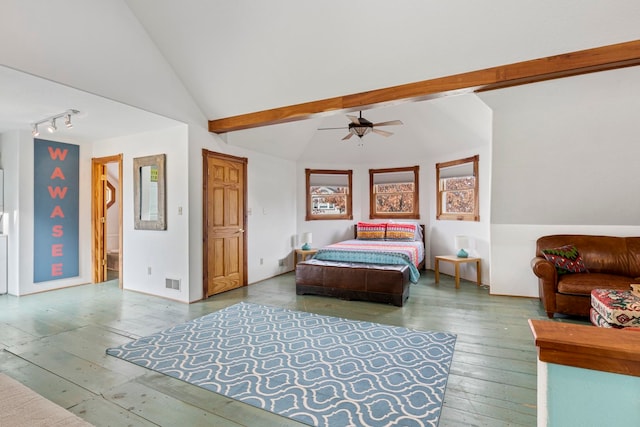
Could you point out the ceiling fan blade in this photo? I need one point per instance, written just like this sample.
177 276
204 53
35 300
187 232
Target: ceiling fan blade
382 132
354 119
389 123
349 135
332 128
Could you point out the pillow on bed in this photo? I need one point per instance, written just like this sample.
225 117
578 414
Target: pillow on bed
418 236
402 231
371 231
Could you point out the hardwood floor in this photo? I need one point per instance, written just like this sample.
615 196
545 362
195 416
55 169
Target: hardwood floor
55 342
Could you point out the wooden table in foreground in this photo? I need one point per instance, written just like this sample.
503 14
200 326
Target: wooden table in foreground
457 261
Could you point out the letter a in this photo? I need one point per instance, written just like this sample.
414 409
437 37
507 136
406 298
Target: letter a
57 211
57 173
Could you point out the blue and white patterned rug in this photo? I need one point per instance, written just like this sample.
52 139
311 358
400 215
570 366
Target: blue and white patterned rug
320 370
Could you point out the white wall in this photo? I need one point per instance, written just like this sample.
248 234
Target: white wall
271 209
478 140
165 252
565 160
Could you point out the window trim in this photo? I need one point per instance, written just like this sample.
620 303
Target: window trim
475 216
313 217
416 194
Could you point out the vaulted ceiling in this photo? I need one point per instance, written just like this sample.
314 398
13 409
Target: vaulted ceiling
245 56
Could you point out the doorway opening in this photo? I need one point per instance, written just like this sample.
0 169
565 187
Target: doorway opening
106 219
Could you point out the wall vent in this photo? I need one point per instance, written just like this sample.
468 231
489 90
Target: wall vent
172 283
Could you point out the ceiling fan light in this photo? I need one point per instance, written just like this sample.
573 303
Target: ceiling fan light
360 131
360 126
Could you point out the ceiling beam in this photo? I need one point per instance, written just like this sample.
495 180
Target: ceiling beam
536 70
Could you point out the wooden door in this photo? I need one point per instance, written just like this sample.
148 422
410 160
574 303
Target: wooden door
98 219
99 216
224 237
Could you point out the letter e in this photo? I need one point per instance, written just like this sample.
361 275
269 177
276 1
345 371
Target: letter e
56 250
56 269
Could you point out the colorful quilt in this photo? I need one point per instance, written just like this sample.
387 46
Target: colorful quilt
376 252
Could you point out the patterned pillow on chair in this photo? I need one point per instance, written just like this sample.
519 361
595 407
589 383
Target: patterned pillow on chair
566 259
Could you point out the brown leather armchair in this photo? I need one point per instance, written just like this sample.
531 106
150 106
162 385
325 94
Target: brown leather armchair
612 263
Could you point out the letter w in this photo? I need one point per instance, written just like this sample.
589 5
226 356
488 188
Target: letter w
57 153
57 192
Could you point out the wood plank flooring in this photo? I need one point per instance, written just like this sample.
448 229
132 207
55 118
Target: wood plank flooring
55 342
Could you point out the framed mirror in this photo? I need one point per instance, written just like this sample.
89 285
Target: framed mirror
149 193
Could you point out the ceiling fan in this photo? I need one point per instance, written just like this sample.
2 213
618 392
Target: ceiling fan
360 126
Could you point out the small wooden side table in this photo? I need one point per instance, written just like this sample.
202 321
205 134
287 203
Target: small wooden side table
457 261
304 254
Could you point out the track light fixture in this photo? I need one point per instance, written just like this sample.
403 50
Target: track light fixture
51 122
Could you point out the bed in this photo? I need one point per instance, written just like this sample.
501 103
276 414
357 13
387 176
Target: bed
378 265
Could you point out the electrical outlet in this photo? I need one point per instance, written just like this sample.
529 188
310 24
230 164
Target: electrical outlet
149 271
281 262
261 261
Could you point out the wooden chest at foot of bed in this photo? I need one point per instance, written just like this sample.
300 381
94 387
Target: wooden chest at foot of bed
354 281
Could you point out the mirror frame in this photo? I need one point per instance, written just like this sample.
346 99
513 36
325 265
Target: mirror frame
157 160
